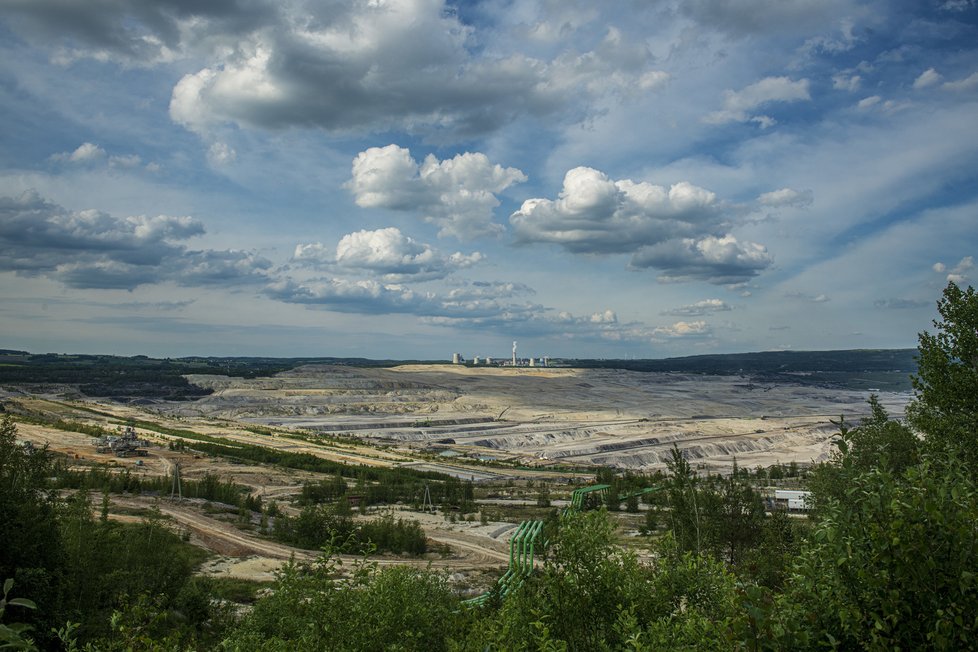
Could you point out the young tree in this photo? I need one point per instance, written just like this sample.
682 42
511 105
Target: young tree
735 518
31 552
890 562
543 498
367 608
881 442
781 538
684 509
945 407
891 567
631 504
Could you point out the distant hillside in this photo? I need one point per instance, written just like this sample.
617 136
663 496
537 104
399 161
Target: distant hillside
129 377
772 361
862 369
143 377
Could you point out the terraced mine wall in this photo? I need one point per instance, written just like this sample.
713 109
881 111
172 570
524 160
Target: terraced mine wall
560 417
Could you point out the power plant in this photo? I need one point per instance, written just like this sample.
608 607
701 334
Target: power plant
513 361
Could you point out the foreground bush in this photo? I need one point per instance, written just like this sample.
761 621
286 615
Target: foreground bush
395 608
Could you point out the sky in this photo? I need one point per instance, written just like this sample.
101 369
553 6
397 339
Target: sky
412 178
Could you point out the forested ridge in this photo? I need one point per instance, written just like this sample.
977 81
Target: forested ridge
143 377
886 560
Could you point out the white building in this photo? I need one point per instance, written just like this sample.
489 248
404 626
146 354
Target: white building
792 500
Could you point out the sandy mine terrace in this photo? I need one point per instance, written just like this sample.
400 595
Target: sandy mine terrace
545 416
474 549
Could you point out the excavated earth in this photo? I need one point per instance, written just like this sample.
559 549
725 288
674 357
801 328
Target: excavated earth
547 416
540 418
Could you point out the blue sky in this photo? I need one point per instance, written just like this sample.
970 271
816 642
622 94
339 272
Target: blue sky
411 178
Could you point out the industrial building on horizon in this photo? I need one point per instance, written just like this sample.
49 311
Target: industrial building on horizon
514 361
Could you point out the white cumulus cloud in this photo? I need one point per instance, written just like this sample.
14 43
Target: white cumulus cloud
368 296
681 329
595 214
929 77
811 298
846 82
738 106
678 230
699 308
386 252
786 197
969 83
220 154
127 161
457 194
959 273
85 153
90 154
407 64
606 317
868 102
877 103
476 290
718 260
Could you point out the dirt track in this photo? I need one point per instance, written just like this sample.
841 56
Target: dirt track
468 552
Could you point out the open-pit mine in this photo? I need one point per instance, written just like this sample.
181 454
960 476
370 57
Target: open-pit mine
509 430
555 417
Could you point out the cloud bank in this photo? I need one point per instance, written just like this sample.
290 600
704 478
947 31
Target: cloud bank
92 249
679 230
